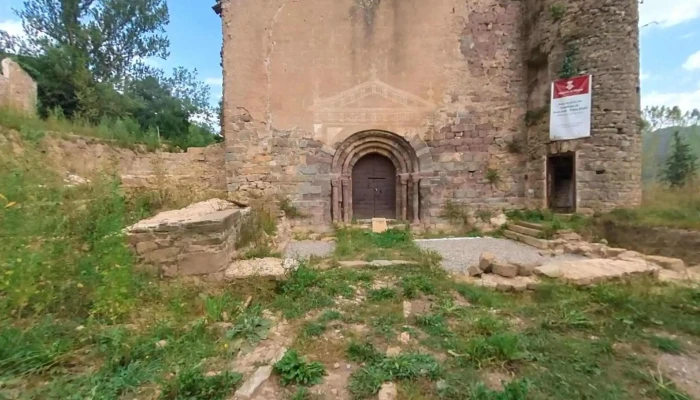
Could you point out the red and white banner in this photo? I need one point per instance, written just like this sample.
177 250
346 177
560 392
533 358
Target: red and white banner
570 111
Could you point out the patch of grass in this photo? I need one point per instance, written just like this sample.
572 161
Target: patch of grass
364 352
261 251
433 324
289 209
301 393
415 284
360 244
515 390
368 380
292 368
381 294
314 329
192 384
666 344
557 11
455 213
220 308
330 315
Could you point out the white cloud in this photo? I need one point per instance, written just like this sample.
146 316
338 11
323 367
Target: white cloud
668 13
693 62
214 81
688 35
643 75
685 100
12 27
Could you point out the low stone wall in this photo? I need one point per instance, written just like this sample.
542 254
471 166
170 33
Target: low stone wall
200 167
197 240
679 243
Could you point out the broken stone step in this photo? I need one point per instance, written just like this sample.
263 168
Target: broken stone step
526 231
530 225
528 240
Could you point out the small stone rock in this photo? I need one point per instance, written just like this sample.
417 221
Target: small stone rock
348 367
486 261
441 384
161 344
404 337
474 270
505 270
525 270
79 328
393 351
336 365
604 241
388 391
334 392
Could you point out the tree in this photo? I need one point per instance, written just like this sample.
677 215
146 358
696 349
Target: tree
681 165
112 36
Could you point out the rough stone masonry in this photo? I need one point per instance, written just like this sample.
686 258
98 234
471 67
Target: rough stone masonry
356 108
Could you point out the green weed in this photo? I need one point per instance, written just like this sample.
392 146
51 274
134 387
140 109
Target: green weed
294 369
381 294
666 344
192 384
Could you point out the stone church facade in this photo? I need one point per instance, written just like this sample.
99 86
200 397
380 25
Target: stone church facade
392 108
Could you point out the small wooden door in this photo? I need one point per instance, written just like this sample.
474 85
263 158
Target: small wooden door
374 188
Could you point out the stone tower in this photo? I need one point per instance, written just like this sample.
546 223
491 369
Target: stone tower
362 108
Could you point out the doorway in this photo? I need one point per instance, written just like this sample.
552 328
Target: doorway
561 183
374 188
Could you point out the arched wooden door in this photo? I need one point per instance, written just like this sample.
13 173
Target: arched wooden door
374 188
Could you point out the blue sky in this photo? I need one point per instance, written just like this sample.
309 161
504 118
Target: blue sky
670 46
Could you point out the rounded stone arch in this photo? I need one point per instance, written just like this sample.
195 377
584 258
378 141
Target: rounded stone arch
400 151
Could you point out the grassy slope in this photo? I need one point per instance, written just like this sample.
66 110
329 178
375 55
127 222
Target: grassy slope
78 321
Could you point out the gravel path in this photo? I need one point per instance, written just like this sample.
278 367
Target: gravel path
459 253
308 248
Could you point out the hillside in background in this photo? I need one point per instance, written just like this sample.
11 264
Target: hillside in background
657 145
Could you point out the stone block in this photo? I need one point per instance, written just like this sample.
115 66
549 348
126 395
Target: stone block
486 262
203 263
162 255
474 270
673 264
145 247
505 270
525 270
379 225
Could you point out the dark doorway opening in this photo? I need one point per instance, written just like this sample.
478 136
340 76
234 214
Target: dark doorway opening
561 182
374 188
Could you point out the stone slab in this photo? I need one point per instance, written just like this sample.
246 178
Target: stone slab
586 272
528 240
525 230
262 267
673 264
247 390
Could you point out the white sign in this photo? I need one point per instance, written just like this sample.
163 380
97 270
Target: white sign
570 111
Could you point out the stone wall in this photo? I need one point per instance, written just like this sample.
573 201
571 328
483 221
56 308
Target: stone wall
679 243
138 167
441 88
17 89
600 37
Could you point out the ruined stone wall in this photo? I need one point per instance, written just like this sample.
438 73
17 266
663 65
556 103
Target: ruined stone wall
138 167
17 89
453 78
599 37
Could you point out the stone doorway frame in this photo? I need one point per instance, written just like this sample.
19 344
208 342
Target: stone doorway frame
412 161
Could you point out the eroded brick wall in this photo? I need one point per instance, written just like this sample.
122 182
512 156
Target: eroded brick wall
17 89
